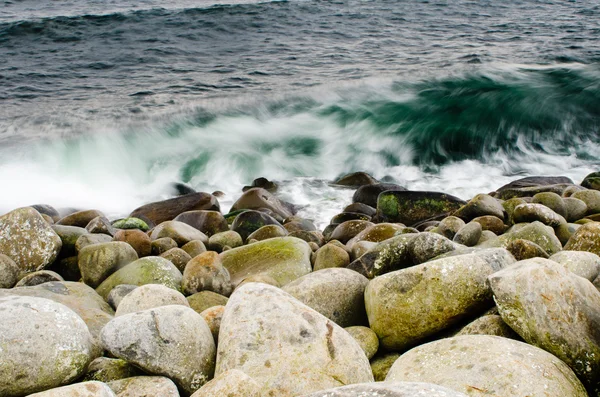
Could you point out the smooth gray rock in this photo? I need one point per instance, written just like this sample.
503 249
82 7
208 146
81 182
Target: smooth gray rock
84 389
426 246
104 369
483 365
388 389
39 277
234 383
181 232
554 309
98 261
9 272
336 293
530 212
144 386
584 264
172 341
117 294
535 232
287 347
27 239
149 296
43 344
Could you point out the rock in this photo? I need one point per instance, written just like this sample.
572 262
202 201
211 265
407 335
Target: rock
39 277
78 297
9 272
313 237
509 206
144 386
449 226
381 364
376 233
367 194
117 294
535 181
284 258
491 223
388 389
249 221
349 216
194 248
140 241
425 246
89 239
575 208
535 232
256 198
491 324
591 181
104 369
480 205
84 389
45 209
69 236
528 192
552 201
213 316
28 240
98 261
389 255
591 198
264 327
338 294
554 309
361 208
525 249
208 222
162 245
131 224
181 232
100 225
266 232
584 264
148 270
366 338
356 179
345 231
205 272
469 235
206 299
178 257
297 224
172 341
330 256
149 296
43 344
80 218
166 210
586 238
530 212
232 239
484 365
232 383
485 236
407 306
262 183
412 207
260 278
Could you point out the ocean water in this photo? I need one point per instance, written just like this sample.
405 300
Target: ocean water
105 103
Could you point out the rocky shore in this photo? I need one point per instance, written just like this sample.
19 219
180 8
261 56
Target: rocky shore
404 293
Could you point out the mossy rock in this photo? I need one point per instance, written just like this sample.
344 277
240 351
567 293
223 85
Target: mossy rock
480 205
535 232
69 236
586 238
491 223
381 364
575 208
449 226
348 216
552 201
144 386
166 210
376 233
283 258
131 223
389 255
367 194
524 249
412 207
591 198
469 234
98 261
181 232
329 256
591 181
104 369
531 212
366 338
267 232
148 270
9 271
39 277
203 300
249 221
582 263
230 239
490 324
208 222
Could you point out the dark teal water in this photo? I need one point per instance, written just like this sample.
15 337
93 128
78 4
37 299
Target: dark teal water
104 103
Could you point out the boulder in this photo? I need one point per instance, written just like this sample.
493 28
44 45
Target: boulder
69 236
140 241
376 233
330 256
407 306
485 365
172 341
181 232
148 270
208 222
162 245
554 309
166 210
361 208
530 212
205 272
592 181
262 182
206 299
381 364
116 295
230 239
336 293
98 261
524 249
43 344
591 198
389 255
45 209
104 369
89 239
535 232
469 234
491 223
195 248
80 218
149 296
9 272
348 216
234 383
84 389
552 201
287 347
366 338
412 207
449 226
284 258
144 386
388 389
345 231
27 239
266 232
178 257
426 246
131 224
367 194
489 324
584 264
213 316
249 221
480 205
100 225
586 238
356 179
256 198
39 277
575 208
